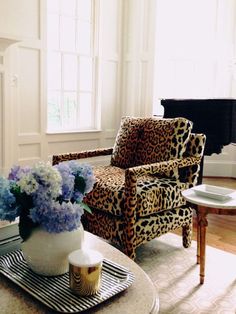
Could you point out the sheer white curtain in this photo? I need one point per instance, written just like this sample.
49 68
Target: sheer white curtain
195 49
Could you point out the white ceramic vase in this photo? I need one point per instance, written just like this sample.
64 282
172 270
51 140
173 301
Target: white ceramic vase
46 253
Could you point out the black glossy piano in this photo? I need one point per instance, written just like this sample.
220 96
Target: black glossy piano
214 117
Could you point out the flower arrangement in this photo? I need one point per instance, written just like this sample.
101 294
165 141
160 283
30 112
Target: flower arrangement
46 196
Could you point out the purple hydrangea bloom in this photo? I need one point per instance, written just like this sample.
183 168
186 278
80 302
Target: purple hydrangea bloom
17 172
58 217
68 180
77 178
89 178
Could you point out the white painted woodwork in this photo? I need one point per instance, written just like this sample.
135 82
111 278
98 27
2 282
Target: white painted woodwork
20 19
23 97
5 82
124 65
138 57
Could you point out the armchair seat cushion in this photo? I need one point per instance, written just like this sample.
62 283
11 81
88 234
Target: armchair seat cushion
153 194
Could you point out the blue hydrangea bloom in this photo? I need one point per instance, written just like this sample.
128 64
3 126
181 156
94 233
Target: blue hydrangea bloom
51 196
8 206
71 187
58 217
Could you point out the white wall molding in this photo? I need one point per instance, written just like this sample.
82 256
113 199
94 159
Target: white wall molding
8 81
5 43
138 57
220 169
221 165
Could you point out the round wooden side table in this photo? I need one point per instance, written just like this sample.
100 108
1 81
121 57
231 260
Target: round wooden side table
205 206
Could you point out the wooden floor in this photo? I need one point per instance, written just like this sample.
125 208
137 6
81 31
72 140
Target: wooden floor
221 230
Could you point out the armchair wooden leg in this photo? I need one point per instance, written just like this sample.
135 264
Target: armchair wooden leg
187 235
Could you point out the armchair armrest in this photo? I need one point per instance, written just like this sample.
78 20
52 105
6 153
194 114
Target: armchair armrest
84 154
163 166
131 175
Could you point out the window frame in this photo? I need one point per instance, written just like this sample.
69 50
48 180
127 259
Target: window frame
96 75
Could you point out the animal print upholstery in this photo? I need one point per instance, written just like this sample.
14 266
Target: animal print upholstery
133 205
195 147
155 193
147 140
147 228
123 154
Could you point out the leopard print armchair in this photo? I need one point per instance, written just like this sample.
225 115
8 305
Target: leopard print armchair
138 196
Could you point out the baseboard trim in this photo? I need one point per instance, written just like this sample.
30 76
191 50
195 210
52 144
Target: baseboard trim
219 169
218 177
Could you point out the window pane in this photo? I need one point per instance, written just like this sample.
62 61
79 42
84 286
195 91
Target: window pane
53 6
53 31
68 7
84 9
67 40
70 65
54 112
69 110
70 72
84 37
54 70
85 101
85 74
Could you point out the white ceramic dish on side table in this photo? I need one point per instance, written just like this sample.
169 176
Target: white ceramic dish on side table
214 192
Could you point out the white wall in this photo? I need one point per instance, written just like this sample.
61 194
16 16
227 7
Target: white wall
221 165
125 60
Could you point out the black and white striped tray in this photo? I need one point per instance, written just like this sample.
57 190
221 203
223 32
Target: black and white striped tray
55 292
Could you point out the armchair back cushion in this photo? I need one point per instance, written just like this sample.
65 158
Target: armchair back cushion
148 140
123 155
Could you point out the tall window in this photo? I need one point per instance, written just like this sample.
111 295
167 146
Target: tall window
71 65
195 45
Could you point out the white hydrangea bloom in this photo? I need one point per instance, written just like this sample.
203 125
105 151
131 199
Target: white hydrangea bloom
28 184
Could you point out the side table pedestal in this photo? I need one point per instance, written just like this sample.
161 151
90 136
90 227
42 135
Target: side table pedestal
204 207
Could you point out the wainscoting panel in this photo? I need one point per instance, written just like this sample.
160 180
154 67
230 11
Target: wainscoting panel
20 18
110 77
29 91
71 146
29 152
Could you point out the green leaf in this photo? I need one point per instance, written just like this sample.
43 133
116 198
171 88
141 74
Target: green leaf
86 207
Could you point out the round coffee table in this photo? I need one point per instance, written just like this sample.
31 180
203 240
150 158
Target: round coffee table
204 207
140 297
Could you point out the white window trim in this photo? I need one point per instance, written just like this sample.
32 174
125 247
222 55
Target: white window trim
96 84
